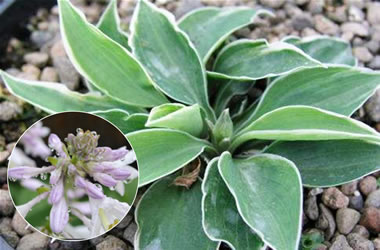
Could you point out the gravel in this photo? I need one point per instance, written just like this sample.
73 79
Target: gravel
334 198
6 205
346 219
33 241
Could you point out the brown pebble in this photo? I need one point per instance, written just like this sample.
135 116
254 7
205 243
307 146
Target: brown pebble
349 188
333 198
49 74
367 185
371 219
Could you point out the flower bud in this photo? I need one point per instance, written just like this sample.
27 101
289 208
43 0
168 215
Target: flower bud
56 144
120 174
27 172
105 179
59 216
56 192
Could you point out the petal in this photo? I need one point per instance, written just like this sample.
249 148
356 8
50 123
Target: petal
32 184
59 216
25 172
56 192
120 174
105 179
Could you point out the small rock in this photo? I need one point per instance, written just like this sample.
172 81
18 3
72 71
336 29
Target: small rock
349 188
125 221
368 185
97 240
355 28
325 26
311 207
34 241
346 219
38 59
30 72
340 243
316 7
9 110
49 74
186 6
334 198
375 31
57 50
372 108
375 63
371 219
111 242
338 14
363 54
376 243
6 205
309 32
358 242
3 174
300 22
129 232
359 229
7 233
301 2
272 3
326 222
40 37
373 10
67 73
20 225
373 46
355 14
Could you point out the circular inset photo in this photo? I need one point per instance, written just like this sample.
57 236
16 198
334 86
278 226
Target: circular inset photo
73 176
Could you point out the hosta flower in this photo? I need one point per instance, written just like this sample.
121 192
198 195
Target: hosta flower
79 168
33 141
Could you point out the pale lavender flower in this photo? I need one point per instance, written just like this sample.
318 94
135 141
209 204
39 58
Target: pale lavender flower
78 169
33 142
59 216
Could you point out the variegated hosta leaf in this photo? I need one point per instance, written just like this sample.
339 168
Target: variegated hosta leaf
257 59
56 97
325 49
209 27
221 220
169 217
305 123
177 116
227 91
340 89
330 163
168 55
122 119
109 24
105 63
162 151
268 193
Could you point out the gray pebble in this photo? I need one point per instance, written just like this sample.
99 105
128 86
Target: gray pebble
375 63
300 22
272 3
346 219
358 242
316 7
359 229
49 74
355 14
33 241
9 110
7 233
334 198
20 225
39 37
373 10
311 208
372 108
129 232
363 54
6 205
349 188
38 59
325 26
355 28
340 243
67 73
111 242
326 222
356 201
338 14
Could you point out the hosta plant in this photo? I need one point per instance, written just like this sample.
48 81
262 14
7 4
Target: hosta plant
222 163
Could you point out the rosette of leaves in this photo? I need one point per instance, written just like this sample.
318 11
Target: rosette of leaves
223 164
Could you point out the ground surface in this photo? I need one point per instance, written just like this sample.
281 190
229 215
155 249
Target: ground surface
346 217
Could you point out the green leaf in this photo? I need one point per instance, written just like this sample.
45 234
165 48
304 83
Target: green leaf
325 49
221 220
135 122
177 116
117 117
105 63
209 27
163 151
330 163
252 60
169 217
340 89
305 123
56 97
227 91
109 24
168 55
268 194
